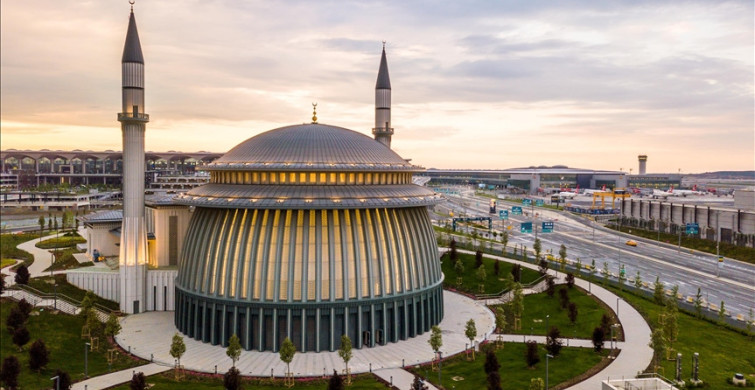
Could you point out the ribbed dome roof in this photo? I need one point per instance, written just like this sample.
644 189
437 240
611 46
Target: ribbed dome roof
311 146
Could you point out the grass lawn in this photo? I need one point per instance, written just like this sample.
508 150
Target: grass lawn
202 382
723 351
514 372
7 262
494 284
67 289
64 259
64 241
537 306
62 336
8 243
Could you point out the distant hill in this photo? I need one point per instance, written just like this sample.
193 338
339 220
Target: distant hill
746 175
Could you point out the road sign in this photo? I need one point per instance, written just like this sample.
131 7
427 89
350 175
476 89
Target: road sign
526 227
516 210
526 202
693 228
503 214
547 227
539 202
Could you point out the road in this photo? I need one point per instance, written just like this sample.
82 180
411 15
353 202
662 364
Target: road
587 240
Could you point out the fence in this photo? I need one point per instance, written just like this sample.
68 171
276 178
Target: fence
59 302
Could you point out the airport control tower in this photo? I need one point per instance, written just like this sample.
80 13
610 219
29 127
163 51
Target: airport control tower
133 247
643 163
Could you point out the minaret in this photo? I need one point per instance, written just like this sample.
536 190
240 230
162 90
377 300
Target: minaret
383 130
133 247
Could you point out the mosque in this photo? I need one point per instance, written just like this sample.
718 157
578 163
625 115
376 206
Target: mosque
308 231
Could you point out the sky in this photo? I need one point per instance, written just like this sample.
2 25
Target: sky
476 84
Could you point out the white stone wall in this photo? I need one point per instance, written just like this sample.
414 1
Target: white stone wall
161 289
99 237
158 223
106 284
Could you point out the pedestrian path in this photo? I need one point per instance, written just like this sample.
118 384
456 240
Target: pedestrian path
118 377
400 378
42 257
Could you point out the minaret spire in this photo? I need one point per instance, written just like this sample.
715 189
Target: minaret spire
383 130
133 247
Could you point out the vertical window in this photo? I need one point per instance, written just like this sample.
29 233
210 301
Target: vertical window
351 178
332 178
360 178
312 178
255 178
325 246
323 179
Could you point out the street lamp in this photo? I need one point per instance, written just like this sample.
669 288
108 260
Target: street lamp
614 344
57 382
547 357
440 363
86 360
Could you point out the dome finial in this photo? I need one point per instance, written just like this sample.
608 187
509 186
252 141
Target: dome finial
314 113
383 44
132 10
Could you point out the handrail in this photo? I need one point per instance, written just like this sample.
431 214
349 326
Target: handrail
63 297
504 291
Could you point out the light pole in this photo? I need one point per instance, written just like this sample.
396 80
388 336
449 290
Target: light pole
547 357
57 382
86 360
440 363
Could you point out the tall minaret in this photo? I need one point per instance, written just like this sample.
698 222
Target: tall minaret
133 247
383 130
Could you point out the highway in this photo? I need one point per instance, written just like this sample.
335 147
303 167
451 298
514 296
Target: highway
588 240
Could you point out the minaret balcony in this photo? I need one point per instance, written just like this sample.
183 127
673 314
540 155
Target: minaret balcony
383 131
130 116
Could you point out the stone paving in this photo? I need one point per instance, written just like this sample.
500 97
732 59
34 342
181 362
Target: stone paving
148 336
114 378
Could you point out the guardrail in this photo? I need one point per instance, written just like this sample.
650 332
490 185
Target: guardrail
60 302
532 286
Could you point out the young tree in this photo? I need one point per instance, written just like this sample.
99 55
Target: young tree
113 327
478 259
562 256
675 293
550 286
500 319
638 280
232 379
15 320
494 380
64 380
482 276
22 275
336 382
570 280
138 381
345 354
471 332
517 303
49 224
658 344
38 355
516 272
21 337
722 313
605 324
699 303
606 272
491 362
9 372
287 352
538 247
598 336
436 339
537 384
670 323
496 267
542 265
505 240
459 268
552 344
25 308
573 312
563 296
234 348
579 265
531 356
177 348
593 270
453 255
658 291
41 222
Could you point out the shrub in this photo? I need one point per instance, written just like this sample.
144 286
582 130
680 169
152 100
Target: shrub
573 312
15 319
598 336
336 382
570 280
22 275
232 379
9 373
478 259
491 362
531 356
64 380
25 308
38 355
551 286
553 344
563 296
138 381
21 337
494 380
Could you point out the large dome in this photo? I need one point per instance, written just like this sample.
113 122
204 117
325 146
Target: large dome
311 146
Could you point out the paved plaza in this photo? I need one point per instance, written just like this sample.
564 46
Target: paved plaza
148 336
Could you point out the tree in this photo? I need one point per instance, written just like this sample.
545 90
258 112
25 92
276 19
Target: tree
573 312
722 313
9 372
699 303
516 272
517 303
481 275
538 247
563 296
638 280
22 275
542 266
41 222
606 272
39 356
21 337
49 224
2 283
287 352
658 291
418 384
25 308
113 327
552 344
562 256
345 353
593 270
494 380
531 356
505 240
658 344
550 288
478 259
15 320
436 339
471 332
232 379
138 381
598 336
670 322
234 348
459 268
497 267
64 380
491 362
537 384
570 280
55 223
579 265
605 324
335 382
177 348
453 255
500 319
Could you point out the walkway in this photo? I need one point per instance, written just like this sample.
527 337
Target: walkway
115 378
149 335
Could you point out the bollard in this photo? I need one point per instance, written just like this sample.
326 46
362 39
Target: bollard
391 380
151 358
323 372
216 369
370 367
402 363
129 349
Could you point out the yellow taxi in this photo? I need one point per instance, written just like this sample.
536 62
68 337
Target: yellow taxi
631 243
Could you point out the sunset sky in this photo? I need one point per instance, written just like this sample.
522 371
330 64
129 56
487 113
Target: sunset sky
476 84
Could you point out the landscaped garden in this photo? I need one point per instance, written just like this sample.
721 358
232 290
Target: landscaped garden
167 381
9 242
44 285
493 283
